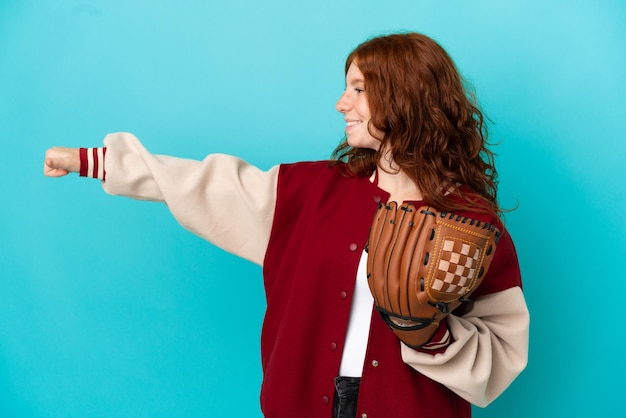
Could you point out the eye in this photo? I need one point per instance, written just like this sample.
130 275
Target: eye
359 91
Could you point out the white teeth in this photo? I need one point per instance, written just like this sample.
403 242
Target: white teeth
352 123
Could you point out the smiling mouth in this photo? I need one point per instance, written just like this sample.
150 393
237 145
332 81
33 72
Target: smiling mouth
352 123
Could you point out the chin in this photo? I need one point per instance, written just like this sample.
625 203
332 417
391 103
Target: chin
364 144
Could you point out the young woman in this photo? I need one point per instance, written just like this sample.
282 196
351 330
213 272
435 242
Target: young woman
413 133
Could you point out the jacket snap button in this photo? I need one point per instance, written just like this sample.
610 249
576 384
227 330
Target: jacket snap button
325 400
343 294
353 247
333 346
375 363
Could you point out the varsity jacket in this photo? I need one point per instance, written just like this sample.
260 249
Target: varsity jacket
306 224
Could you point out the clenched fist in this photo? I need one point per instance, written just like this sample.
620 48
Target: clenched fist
61 161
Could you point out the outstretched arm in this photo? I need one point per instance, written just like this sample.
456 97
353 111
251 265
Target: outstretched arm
222 199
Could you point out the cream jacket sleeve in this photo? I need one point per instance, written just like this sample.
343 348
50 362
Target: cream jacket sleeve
489 351
222 199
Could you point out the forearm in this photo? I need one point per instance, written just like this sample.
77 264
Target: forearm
489 351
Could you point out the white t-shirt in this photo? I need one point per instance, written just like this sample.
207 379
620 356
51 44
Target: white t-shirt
358 325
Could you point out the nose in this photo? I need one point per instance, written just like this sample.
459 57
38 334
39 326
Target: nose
343 104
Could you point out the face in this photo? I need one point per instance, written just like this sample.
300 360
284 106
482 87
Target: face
353 104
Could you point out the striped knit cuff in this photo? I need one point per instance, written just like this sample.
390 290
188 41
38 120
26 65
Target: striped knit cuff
440 341
92 162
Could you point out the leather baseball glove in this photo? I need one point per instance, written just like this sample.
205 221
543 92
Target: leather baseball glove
422 264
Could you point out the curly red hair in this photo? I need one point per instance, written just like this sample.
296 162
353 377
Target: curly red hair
430 120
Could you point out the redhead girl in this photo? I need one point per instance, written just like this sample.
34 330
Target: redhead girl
413 133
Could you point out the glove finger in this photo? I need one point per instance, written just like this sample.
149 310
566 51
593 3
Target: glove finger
398 278
422 241
387 236
382 229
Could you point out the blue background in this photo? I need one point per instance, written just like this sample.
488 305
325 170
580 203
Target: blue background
109 309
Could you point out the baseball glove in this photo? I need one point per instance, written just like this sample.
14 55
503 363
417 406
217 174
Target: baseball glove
422 264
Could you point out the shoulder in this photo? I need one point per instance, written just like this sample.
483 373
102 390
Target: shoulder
305 172
475 206
310 181
313 167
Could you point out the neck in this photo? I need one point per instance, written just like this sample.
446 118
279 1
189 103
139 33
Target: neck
398 184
